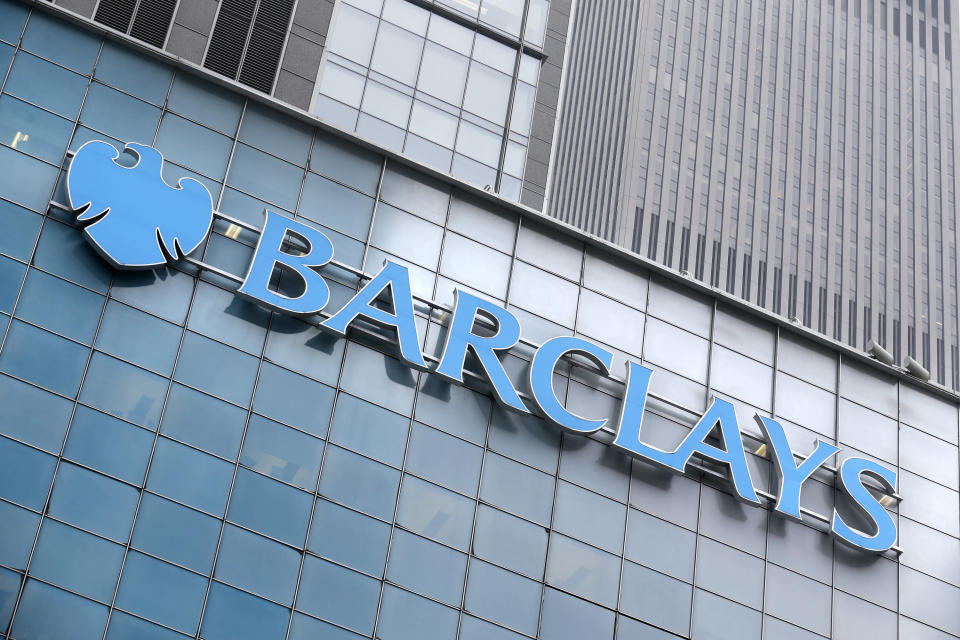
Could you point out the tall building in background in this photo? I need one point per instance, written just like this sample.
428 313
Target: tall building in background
800 155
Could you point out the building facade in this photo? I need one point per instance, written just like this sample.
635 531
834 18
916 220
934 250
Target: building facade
177 461
800 155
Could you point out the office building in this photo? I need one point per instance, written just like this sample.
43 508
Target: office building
238 396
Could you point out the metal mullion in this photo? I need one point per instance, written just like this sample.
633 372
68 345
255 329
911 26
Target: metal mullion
373 217
766 533
504 142
6 332
406 447
336 400
163 409
236 468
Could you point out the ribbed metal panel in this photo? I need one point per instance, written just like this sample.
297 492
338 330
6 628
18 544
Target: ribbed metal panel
115 14
228 42
152 21
597 122
266 44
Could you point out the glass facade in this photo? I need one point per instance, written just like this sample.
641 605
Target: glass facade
417 81
177 463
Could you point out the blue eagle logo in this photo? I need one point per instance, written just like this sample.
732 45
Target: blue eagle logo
131 216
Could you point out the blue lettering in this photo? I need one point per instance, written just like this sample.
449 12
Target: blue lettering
541 380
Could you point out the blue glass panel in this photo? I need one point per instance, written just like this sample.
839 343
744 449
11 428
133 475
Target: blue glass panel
126 627
359 483
25 474
203 421
518 488
138 338
93 502
234 615
78 561
379 378
11 277
26 180
76 617
190 145
63 252
46 85
190 477
510 542
336 206
435 512
109 445
82 136
304 348
269 507
9 587
33 416
503 597
120 67
176 533
443 459
339 595
275 133
583 570
205 103
44 299
32 130
16 536
61 42
306 628
12 18
281 452
293 399
123 390
246 207
118 115
225 316
258 565
216 368
43 358
161 592
569 618
162 292
20 230
404 616
265 177
346 163
369 429
349 537
426 567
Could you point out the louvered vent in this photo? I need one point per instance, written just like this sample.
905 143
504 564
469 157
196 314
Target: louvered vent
153 21
247 41
230 36
115 14
147 20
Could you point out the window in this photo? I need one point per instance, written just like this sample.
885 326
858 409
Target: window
452 97
247 41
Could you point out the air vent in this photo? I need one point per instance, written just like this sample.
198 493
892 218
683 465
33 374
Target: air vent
146 20
248 39
116 14
153 21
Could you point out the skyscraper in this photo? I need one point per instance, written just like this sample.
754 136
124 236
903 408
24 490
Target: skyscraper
799 155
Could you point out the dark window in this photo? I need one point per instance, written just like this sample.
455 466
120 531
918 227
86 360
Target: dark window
896 21
923 5
909 27
248 39
148 21
946 46
935 7
935 41
946 11
923 34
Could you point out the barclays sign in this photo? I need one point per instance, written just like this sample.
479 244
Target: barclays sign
136 221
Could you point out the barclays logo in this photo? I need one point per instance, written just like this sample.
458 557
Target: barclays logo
137 221
131 216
